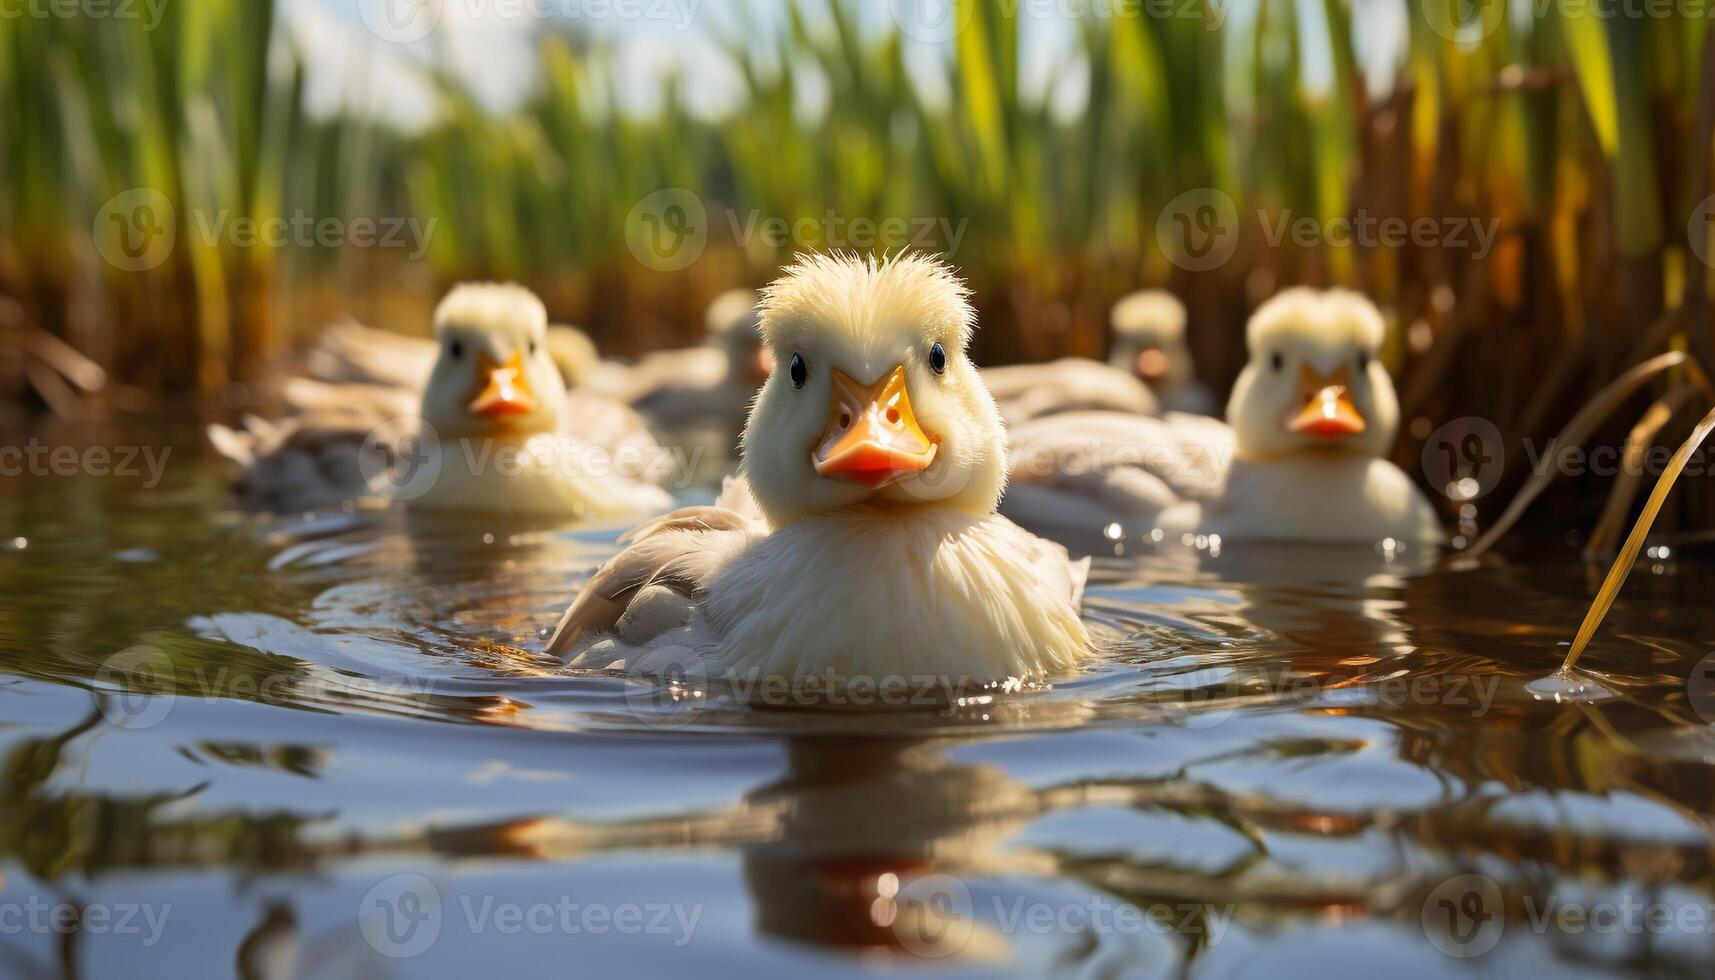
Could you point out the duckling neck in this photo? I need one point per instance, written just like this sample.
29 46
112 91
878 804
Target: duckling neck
499 436
1312 451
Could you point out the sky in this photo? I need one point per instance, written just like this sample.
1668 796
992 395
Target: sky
359 58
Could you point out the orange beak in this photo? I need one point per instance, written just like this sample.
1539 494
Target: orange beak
1328 412
872 438
506 392
1151 365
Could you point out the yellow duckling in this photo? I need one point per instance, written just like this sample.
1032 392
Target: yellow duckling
1149 342
876 458
492 429
1311 418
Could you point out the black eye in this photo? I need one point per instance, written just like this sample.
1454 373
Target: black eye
532 347
1363 361
455 349
938 359
799 371
1276 361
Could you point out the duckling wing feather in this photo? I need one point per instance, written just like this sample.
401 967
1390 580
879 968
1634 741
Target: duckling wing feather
1089 452
307 461
601 420
359 403
689 368
1076 473
1071 384
350 352
657 581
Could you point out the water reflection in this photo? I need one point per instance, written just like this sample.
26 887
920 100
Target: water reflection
1281 752
906 847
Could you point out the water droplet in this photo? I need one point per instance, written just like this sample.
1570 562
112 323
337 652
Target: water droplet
1569 687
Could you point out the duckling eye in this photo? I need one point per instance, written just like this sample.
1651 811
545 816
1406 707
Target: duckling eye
938 359
799 371
455 349
532 346
1363 361
1277 361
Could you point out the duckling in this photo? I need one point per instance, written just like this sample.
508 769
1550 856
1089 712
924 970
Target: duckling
493 429
1070 384
709 384
1149 342
1311 417
732 321
875 457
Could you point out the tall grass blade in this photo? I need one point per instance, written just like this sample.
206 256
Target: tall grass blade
1635 541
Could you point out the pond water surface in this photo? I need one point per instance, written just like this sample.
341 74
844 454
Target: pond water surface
329 745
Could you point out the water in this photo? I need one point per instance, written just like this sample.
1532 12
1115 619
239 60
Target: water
329 746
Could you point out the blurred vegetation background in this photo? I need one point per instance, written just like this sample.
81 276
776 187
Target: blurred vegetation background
1584 135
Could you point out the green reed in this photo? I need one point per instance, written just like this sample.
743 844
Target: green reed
1584 139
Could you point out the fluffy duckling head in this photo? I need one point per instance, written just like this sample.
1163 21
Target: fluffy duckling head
731 324
495 375
1314 381
875 400
1149 338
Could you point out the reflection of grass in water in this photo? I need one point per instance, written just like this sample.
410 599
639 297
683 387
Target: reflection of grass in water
56 834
